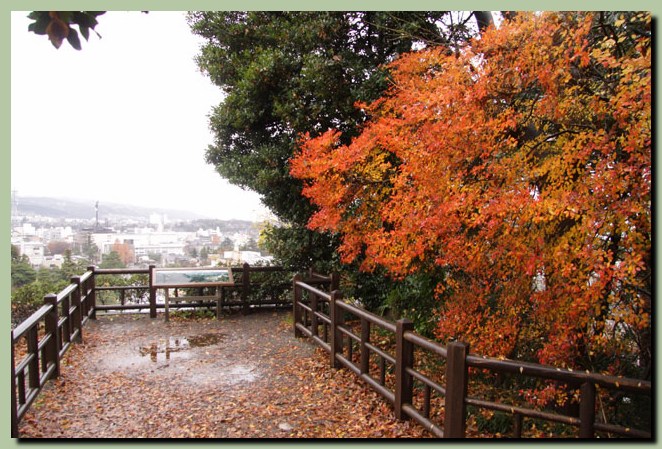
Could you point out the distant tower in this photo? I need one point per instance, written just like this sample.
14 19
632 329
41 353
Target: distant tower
96 211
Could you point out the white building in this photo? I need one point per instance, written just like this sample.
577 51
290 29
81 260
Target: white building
251 257
26 229
54 261
33 250
65 234
159 220
163 243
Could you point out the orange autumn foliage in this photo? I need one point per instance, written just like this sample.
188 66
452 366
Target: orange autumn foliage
522 166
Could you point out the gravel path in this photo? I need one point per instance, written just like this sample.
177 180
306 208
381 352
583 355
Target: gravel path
238 377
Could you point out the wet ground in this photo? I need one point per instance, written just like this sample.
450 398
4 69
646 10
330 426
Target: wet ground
238 377
228 351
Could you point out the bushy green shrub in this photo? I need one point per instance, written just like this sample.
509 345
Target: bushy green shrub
414 298
28 299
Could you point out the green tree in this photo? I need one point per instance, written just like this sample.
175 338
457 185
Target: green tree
112 260
29 298
204 254
30 286
72 268
50 275
250 245
226 245
90 250
22 272
287 73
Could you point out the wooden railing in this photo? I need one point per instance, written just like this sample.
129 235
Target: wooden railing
42 339
347 332
246 293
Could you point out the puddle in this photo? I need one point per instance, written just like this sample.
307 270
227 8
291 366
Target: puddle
226 375
186 358
177 344
241 373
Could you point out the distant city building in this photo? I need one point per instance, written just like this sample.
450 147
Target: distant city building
250 257
56 233
138 243
54 261
26 229
164 243
159 220
33 250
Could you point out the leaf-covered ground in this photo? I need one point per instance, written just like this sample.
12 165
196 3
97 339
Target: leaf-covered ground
240 377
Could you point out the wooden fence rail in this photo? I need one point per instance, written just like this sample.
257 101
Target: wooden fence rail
241 295
42 339
323 317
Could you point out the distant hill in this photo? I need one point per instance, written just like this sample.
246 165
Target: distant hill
84 209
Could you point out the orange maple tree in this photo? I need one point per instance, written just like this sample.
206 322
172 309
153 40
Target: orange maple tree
522 166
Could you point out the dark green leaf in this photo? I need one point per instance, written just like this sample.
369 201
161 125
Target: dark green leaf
85 31
84 19
73 39
37 15
95 13
41 22
65 16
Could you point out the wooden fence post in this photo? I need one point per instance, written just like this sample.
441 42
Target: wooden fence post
53 349
66 329
517 425
93 292
587 410
220 301
313 315
404 358
77 318
152 293
296 299
245 287
457 375
336 316
34 377
335 281
85 298
14 401
365 338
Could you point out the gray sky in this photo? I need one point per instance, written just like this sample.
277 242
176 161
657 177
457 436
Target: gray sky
123 120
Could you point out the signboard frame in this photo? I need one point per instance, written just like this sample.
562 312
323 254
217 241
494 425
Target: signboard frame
179 281
182 272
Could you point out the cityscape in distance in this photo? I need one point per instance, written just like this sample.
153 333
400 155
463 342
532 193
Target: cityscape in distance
47 230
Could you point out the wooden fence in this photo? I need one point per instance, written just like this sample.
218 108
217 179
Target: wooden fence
346 332
247 291
42 339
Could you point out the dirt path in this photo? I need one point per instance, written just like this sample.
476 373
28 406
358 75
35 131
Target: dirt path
240 377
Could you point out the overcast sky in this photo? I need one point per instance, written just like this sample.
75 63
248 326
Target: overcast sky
124 120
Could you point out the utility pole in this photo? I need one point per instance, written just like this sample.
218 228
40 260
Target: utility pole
14 204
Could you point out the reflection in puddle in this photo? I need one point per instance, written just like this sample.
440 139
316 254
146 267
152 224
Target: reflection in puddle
176 344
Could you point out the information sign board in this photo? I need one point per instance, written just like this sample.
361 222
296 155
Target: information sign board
191 277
